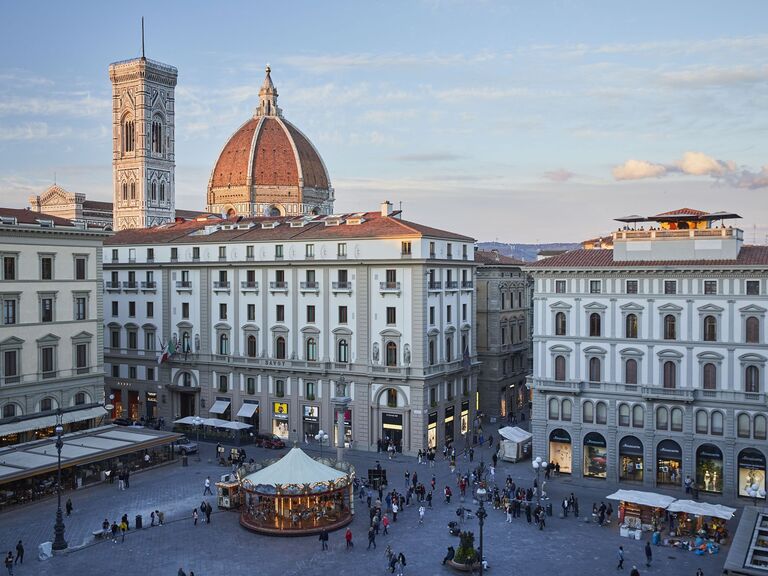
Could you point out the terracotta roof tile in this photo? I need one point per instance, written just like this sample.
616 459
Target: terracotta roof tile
274 163
681 212
494 258
232 166
311 165
24 216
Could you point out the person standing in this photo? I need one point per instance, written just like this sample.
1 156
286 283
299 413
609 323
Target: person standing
207 486
348 538
385 523
69 506
114 528
181 572
9 563
20 552
620 556
127 478
372 538
324 539
565 507
395 510
421 514
208 511
699 572
194 516
648 553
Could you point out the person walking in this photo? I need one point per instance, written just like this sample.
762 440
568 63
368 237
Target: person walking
401 563
127 478
69 506
123 530
620 556
208 511
421 514
648 553
194 516
114 528
20 553
385 523
324 539
207 486
9 563
395 510
371 538
348 538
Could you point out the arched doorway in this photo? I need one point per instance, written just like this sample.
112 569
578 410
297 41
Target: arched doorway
751 470
561 450
709 468
595 456
631 459
391 418
669 463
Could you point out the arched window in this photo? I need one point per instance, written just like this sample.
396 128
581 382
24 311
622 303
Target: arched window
9 410
561 324
79 398
753 330
662 418
670 327
128 135
602 412
710 329
752 379
133 190
630 371
46 404
670 374
186 379
125 191
157 136
716 423
554 409
630 329
702 422
594 324
153 192
566 410
392 398
280 347
391 354
743 425
448 349
638 416
251 345
677 419
223 344
623 414
342 352
162 191
760 426
560 368
588 412
594 369
709 376
311 349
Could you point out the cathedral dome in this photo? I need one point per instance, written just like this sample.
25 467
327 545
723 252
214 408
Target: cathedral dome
269 167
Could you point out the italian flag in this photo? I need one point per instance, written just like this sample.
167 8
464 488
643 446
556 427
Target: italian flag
168 350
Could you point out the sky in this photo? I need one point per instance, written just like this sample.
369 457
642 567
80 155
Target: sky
514 121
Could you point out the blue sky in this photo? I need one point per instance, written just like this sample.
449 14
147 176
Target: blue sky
516 121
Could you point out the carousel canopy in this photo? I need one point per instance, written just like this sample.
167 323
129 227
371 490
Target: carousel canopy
295 468
642 498
702 509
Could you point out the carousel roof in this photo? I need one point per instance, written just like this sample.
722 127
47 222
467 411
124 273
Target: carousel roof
295 468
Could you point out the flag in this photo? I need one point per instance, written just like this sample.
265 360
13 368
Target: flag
167 351
163 354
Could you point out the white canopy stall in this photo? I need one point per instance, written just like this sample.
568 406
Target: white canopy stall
515 444
639 510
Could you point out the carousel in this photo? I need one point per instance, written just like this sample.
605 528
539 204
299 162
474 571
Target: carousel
297 495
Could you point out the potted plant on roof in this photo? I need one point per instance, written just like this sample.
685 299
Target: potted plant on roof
465 559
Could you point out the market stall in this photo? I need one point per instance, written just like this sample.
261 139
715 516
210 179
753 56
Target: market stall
640 511
228 494
515 444
297 495
701 519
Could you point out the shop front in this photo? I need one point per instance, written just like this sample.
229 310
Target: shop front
751 470
631 459
595 456
669 463
310 421
392 429
464 421
280 426
709 468
432 430
561 450
249 412
151 404
449 426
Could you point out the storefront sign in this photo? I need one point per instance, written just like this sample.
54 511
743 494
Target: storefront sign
433 417
631 446
392 418
280 410
449 412
311 413
560 435
594 439
669 449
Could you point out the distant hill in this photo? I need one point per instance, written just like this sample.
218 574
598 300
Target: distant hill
526 252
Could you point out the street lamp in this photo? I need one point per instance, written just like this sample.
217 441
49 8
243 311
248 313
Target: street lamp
538 465
321 437
59 543
481 494
755 492
197 421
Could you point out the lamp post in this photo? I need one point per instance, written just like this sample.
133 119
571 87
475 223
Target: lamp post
197 421
481 495
59 543
538 465
321 437
755 492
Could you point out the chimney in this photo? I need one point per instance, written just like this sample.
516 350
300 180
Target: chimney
386 208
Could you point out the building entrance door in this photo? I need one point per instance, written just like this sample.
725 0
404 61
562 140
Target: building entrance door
186 404
392 429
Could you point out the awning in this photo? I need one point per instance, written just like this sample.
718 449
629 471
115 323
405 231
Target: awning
702 509
642 498
219 407
247 410
190 420
49 421
226 424
514 434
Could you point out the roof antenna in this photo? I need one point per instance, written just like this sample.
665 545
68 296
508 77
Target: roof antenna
142 38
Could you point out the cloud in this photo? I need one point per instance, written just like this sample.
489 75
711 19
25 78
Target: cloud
638 169
559 175
709 76
429 157
699 164
751 180
321 63
74 104
32 131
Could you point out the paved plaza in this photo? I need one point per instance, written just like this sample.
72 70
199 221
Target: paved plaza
223 547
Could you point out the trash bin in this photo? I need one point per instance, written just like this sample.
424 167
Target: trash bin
184 460
549 508
138 522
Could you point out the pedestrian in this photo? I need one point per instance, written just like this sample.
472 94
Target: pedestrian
114 528
181 572
207 486
565 507
208 511
120 481
429 499
448 494
648 553
528 512
608 513
151 518
20 552
401 562
69 506
495 459
635 571
688 483
421 514
194 516
124 520
159 516
542 519
371 538
471 454
9 563
385 523
348 538
699 572
620 556
123 530
395 510
127 478
324 539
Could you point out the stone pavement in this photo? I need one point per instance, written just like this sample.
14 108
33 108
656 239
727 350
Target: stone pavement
223 547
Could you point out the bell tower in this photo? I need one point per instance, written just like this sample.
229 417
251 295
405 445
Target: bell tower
143 142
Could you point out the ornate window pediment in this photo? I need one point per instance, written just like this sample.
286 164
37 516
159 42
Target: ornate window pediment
709 355
710 309
560 305
631 307
595 306
669 353
594 350
753 309
751 357
670 308
633 352
560 349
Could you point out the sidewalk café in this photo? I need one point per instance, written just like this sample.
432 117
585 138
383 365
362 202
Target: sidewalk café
640 511
28 471
214 428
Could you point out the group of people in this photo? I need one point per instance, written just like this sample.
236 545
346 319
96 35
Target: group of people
602 513
10 561
205 509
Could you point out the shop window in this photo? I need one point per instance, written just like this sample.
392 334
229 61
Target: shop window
560 368
702 422
560 324
752 379
251 346
760 427
623 415
677 419
392 398
391 354
743 426
566 410
280 388
716 423
343 351
588 412
594 324
602 412
594 369
638 416
670 374
670 327
753 330
630 371
709 376
250 385
280 347
662 418
554 409
710 329
630 326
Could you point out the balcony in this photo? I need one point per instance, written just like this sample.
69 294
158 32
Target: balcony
309 287
467 284
341 287
149 286
112 286
184 286
278 286
658 393
452 285
667 234
389 287
564 386
434 286
737 396
249 286
221 286
130 286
